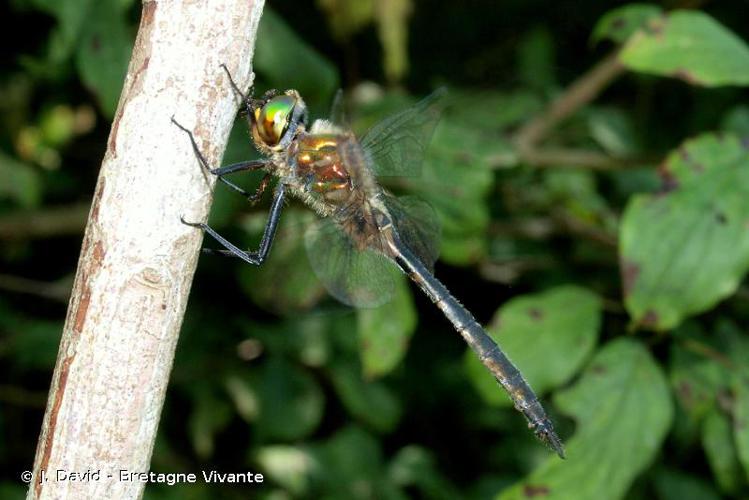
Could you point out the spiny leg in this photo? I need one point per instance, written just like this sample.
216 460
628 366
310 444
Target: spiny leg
254 258
229 169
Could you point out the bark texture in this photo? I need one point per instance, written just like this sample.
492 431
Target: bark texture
137 260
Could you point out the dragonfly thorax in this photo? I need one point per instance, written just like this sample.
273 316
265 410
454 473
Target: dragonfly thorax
320 168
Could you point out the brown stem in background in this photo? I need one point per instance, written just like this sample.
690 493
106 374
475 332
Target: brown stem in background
44 223
578 94
55 290
580 158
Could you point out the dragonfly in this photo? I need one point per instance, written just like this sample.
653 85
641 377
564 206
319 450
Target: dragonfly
364 230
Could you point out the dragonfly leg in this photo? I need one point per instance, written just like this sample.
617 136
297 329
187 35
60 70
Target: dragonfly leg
247 100
229 169
240 167
230 249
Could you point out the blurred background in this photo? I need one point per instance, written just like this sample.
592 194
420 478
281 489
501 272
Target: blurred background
606 253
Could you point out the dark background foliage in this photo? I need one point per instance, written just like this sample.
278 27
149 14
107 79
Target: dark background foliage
607 256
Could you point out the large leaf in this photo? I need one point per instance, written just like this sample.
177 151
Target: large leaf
620 23
689 45
384 331
687 248
547 335
623 411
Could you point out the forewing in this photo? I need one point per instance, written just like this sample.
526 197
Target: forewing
357 278
396 145
417 226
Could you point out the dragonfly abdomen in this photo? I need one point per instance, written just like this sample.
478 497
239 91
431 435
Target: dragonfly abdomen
490 354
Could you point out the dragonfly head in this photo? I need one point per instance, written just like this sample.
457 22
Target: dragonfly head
275 120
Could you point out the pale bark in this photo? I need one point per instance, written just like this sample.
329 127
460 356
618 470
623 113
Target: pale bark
137 260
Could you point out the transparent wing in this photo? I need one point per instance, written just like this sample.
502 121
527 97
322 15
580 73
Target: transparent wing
357 278
396 145
338 110
417 226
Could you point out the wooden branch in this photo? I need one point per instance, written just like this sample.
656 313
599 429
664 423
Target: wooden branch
579 93
137 260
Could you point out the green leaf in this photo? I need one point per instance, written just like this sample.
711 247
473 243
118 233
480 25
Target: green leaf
347 17
619 24
687 248
717 439
103 53
623 411
477 115
71 19
291 401
696 379
305 338
547 335
210 415
371 402
415 466
689 45
287 61
19 182
736 120
536 62
613 130
677 485
12 490
384 331
244 398
31 342
289 466
456 181
392 29
352 465
741 419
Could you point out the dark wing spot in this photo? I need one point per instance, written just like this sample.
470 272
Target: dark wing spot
721 218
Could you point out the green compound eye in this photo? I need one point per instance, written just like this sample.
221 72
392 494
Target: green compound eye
272 119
